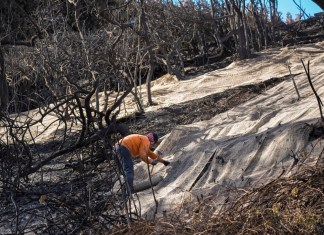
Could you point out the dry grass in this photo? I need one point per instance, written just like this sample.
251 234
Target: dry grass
293 205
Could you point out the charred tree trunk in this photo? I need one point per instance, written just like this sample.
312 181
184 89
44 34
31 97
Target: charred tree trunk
144 33
240 27
4 99
259 27
263 20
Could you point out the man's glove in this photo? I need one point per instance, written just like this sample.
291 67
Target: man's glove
154 162
166 162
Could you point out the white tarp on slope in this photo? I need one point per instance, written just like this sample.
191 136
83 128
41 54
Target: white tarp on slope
248 145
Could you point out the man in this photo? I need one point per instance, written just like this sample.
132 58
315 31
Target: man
134 146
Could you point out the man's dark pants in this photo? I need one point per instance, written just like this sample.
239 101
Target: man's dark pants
128 165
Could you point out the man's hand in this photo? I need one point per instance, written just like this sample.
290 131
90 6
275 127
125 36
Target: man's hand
154 162
166 162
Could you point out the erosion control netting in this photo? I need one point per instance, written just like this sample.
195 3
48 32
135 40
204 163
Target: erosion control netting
245 147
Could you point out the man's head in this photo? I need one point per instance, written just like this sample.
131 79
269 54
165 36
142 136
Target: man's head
153 138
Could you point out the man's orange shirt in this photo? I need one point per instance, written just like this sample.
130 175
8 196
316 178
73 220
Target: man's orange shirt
139 146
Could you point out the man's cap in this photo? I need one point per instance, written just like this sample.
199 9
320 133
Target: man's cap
153 137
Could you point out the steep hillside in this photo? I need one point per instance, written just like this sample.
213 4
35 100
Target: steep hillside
226 132
275 134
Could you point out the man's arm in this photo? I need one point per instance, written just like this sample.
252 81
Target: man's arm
154 156
158 157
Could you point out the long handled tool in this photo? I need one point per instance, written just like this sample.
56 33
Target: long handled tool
151 171
158 153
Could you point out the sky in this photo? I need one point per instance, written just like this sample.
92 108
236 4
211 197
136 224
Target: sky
285 6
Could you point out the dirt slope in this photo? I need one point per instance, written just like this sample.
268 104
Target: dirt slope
233 141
